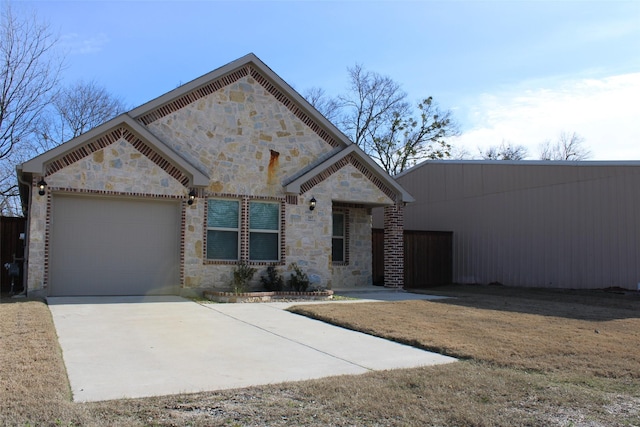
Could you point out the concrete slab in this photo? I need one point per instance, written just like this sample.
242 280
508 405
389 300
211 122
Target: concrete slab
116 347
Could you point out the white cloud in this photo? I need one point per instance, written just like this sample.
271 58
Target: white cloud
606 112
76 44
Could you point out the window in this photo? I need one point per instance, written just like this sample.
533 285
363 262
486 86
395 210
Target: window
223 218
338 252
264 231
247 230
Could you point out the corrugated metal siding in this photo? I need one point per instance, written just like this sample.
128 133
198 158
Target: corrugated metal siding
532 224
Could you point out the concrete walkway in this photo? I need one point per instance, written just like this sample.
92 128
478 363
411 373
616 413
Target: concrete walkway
116 347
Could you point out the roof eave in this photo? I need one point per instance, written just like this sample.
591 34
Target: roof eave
253 60
293 187
37 164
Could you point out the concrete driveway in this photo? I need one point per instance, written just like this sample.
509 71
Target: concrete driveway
116 347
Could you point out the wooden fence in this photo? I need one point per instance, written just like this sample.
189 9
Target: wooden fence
11 248
427 258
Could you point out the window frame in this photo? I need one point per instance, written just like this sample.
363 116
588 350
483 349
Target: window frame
344 237
277 231
244 231
237 230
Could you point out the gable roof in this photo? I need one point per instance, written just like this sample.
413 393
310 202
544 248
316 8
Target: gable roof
97 138
132 126
354 155
248 65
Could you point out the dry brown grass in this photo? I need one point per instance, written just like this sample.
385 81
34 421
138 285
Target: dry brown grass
558 336
533 361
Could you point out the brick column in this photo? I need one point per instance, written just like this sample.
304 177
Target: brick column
394 246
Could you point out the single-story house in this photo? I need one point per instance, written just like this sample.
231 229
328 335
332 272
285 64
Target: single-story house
532 223
233 167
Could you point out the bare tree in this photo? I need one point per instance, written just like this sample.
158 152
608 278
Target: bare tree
77 109
326 105
34 114
376 115
569 146
29 74
506 151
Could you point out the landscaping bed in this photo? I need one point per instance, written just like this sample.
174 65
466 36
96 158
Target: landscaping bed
268 296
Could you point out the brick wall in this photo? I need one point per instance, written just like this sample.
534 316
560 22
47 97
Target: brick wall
393 246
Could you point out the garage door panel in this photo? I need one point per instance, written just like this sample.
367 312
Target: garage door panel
114 246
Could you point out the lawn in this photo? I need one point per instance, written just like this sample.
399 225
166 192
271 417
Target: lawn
529 358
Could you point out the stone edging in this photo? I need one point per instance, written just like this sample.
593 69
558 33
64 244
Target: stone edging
267 296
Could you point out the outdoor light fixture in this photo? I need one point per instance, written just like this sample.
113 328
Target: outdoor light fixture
192 197
41 187
312 203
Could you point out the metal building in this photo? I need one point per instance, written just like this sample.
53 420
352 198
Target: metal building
532 223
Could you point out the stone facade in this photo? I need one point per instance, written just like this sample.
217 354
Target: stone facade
249 144
248 138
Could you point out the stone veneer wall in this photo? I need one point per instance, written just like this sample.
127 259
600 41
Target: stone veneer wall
248 143
245 140
117 169
358 270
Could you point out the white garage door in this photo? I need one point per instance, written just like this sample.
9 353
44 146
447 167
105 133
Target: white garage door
113 246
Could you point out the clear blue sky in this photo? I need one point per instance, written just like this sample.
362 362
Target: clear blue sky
519 71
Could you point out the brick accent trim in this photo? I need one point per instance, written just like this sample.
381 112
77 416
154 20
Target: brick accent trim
394 246
115 193
193 96
110 138
292 199
183 226
47 232
352 160
228 79
244 228
293 107
349 205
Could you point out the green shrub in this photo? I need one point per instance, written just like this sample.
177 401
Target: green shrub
299 281
242 275
273 281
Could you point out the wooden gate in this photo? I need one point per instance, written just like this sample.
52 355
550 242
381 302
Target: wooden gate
427 258
11 248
